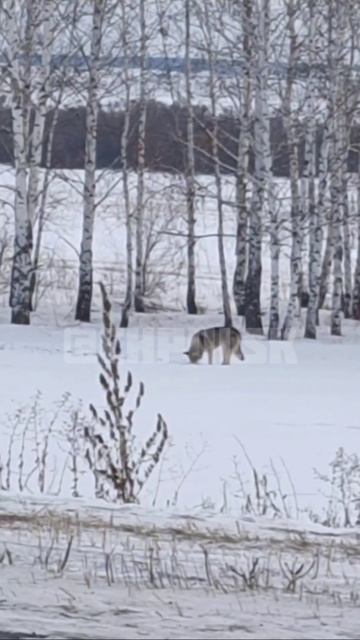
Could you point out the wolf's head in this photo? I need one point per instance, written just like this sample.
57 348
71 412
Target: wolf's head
194 356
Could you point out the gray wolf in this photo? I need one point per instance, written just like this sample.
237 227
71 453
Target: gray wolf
207 340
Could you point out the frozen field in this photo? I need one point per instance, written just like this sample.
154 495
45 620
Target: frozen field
289 404
103 572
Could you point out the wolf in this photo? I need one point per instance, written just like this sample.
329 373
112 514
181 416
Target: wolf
208 340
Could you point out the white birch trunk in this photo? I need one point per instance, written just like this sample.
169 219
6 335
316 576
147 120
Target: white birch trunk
124 322
83 305
311 206
20 301
347 301
253 317
139 302
296 215
243 157
328 253
337 213
217 169
20 298
325 210
356 290
272 205
322 203
190 172
337 176
30 89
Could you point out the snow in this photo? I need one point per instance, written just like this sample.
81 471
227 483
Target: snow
134 573
277 402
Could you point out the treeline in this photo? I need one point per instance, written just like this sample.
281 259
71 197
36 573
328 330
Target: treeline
165 140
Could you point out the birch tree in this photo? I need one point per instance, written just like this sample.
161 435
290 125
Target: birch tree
243 158
139 302
253 281
338 158
20 300
27 33
190 170
85 290
270 192
210 46
356 289
343 23
347 296
293 145
125 36
312 207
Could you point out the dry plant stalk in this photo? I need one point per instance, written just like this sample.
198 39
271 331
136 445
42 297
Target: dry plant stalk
120 469
295 573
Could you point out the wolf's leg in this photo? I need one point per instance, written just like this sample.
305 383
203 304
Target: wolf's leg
226 354
238 351
210 356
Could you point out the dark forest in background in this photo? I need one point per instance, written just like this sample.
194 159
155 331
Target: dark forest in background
165 140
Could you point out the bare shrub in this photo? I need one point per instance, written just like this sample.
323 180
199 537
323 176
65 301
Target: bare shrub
250 576
35 435
161 247
343 507
295 573
259 496
120 468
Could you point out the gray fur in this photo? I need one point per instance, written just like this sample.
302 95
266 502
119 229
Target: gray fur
207 340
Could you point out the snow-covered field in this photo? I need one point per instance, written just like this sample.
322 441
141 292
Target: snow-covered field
129 573
283 413
288 404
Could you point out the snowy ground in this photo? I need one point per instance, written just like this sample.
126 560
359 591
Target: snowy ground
126 572
288 404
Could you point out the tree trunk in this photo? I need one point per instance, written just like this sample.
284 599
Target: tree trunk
337 175
217 169
322 203
295 212
347 302
271 201
190 174
327 261
311 206
124 322
356 290
274 318
20 301
139 302
253 317
243 155
83 305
